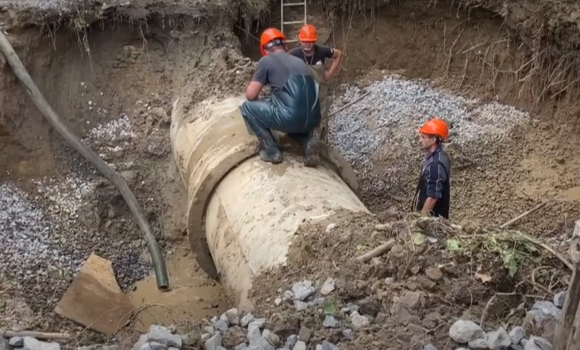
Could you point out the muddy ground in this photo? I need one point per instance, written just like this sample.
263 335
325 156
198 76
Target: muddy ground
112 73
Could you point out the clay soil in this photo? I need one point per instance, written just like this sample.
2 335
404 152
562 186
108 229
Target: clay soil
137 59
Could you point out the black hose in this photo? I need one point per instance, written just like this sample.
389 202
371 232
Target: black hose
53 118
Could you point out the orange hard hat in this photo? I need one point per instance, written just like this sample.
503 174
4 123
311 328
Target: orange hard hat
308 34
271 36
436 127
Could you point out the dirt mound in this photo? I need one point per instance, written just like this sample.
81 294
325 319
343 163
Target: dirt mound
435 273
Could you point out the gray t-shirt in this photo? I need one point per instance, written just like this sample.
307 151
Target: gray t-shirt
274 69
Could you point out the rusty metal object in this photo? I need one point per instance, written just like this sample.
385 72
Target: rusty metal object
566 328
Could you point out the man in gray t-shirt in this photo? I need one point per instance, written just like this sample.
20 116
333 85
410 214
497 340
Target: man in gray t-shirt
293 107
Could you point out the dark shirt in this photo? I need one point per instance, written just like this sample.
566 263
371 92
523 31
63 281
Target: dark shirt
274 69
321 54
434 182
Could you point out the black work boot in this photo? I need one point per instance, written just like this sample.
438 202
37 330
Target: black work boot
311 151
271 154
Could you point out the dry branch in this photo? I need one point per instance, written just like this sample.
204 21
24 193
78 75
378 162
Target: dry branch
378 251
37 335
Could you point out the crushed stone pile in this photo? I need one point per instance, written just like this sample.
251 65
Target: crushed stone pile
383 126
51 225
435 274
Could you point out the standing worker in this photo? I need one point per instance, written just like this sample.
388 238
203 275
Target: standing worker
433 191
316 56
293 107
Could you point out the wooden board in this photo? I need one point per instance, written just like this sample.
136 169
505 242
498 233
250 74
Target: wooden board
94 298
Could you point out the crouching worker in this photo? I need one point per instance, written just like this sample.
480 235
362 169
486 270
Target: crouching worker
433 195
293 107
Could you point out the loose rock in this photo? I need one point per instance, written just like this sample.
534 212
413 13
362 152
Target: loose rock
300 345
498 339
330 322
233 317
545 309
213 342
429 347
542 343
221 326
478 344
329 346
303 290
560 299
33 344
348 334
327 287
358 321
434 274
291 341
304 334
246 320
160 334
464 331
517 334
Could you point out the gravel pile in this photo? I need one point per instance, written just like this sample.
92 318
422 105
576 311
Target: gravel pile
48 233
386 122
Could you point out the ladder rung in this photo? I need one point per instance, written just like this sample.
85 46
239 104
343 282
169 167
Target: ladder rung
295 4
293 22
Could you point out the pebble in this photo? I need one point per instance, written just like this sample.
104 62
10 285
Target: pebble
560 299
291 341
330 322
221 326
163 335
498 339
303 290
348 334
327 286
329 346
463 331
271 337
478 344
411 300
517 334
258 322
245 321
278 301
358 321
214 342
288 295
543 343
233 317
300 305
300 345
304 334
543 310
33 344
434 274
429 347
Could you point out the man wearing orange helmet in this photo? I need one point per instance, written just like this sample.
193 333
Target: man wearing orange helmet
433 196
293 107
316 56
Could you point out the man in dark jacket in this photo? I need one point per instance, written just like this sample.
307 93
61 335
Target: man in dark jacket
316 56
433 196
293 107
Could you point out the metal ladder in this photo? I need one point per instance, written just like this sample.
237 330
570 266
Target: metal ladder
287 3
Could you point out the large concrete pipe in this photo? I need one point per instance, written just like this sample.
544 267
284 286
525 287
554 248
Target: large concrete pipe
242 212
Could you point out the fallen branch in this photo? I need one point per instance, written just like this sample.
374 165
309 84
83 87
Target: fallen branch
37 335
378 251
349 104
56 122
548 249
523 215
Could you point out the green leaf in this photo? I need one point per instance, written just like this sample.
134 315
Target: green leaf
329 308
453 244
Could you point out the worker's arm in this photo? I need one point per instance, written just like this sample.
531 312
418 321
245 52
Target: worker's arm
253 90
436 177
259 79
336 56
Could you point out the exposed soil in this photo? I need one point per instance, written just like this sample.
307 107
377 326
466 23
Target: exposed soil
413 290
135 60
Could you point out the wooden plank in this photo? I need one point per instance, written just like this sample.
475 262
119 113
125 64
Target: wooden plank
94 298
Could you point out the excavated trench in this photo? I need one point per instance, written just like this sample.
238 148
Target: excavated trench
117 85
